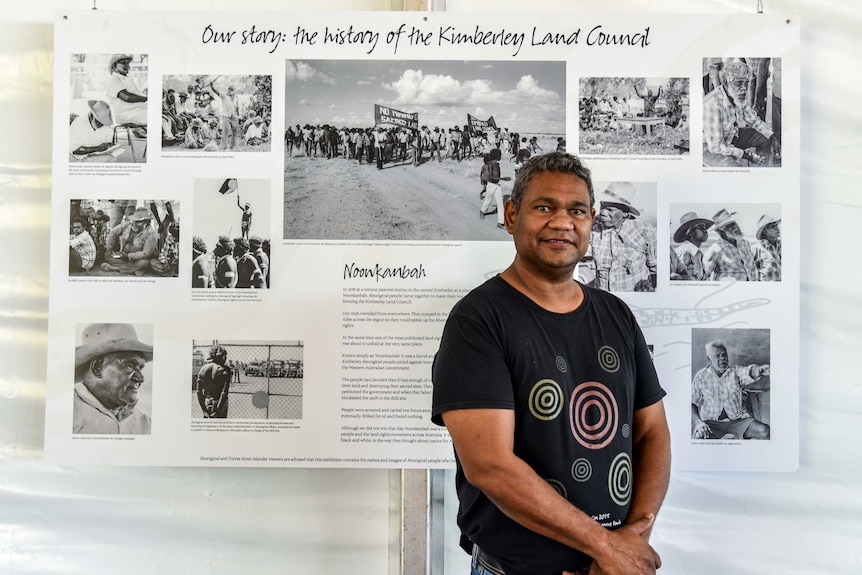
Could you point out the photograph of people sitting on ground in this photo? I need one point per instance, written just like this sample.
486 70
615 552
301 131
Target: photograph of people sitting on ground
108 108
137 238
421 150
741 112
217 113
634 116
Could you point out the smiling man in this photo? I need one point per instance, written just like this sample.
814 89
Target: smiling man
549 394
109 367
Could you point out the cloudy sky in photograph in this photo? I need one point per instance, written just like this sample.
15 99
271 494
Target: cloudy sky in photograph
527 97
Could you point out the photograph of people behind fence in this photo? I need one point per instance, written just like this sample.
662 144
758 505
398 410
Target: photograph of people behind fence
231 242
741 112
246 380
218 113
419 150
634 116
137 238
108 108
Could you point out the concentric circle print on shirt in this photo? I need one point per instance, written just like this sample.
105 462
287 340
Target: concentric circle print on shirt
582 470
593 415
620 479
546 400
609 359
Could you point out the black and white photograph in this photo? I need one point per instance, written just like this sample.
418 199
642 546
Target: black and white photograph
741 112
725 242
247 379
217 113
231 242
124 238
413 150
108 108
730 383
634 116
622 252
113 379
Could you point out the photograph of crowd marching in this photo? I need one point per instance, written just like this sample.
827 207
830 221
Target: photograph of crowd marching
231 246
247 379
217 113
741 112
108 108
725 242
137 238
634 116
622 253
420 150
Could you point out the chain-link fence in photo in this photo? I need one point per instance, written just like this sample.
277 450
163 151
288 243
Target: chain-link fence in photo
254 380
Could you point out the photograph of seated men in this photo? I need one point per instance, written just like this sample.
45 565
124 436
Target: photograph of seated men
726 400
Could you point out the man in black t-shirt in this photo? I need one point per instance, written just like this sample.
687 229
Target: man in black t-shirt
553 404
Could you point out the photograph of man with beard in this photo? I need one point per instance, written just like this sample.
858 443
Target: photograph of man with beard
741 112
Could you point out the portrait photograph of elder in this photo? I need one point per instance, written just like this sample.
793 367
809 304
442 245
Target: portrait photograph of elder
113 379
730 385
741 112
622 254
109 107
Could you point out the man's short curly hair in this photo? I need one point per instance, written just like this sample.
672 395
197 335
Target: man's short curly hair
560 162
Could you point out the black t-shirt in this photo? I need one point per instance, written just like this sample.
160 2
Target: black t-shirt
573 381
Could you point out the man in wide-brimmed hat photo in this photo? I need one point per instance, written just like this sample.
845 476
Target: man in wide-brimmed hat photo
767 249
730 258
92 133
127 100
623 244
690 235
132 244
109 367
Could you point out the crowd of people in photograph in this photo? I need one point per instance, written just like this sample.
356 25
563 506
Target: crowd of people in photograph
206 117
116 237
399 145
606 113
241 262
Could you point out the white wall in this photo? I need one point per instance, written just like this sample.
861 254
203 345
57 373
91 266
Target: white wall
128 520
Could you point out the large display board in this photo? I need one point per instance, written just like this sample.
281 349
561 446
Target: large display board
305 199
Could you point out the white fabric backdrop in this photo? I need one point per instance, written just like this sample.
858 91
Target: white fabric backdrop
98 519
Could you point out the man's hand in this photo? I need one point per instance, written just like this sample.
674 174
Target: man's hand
760 371
753 157
701 430
628 551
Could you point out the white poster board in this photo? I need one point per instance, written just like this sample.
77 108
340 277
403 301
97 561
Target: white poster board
331 358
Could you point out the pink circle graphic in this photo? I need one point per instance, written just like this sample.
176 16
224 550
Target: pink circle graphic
594 398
